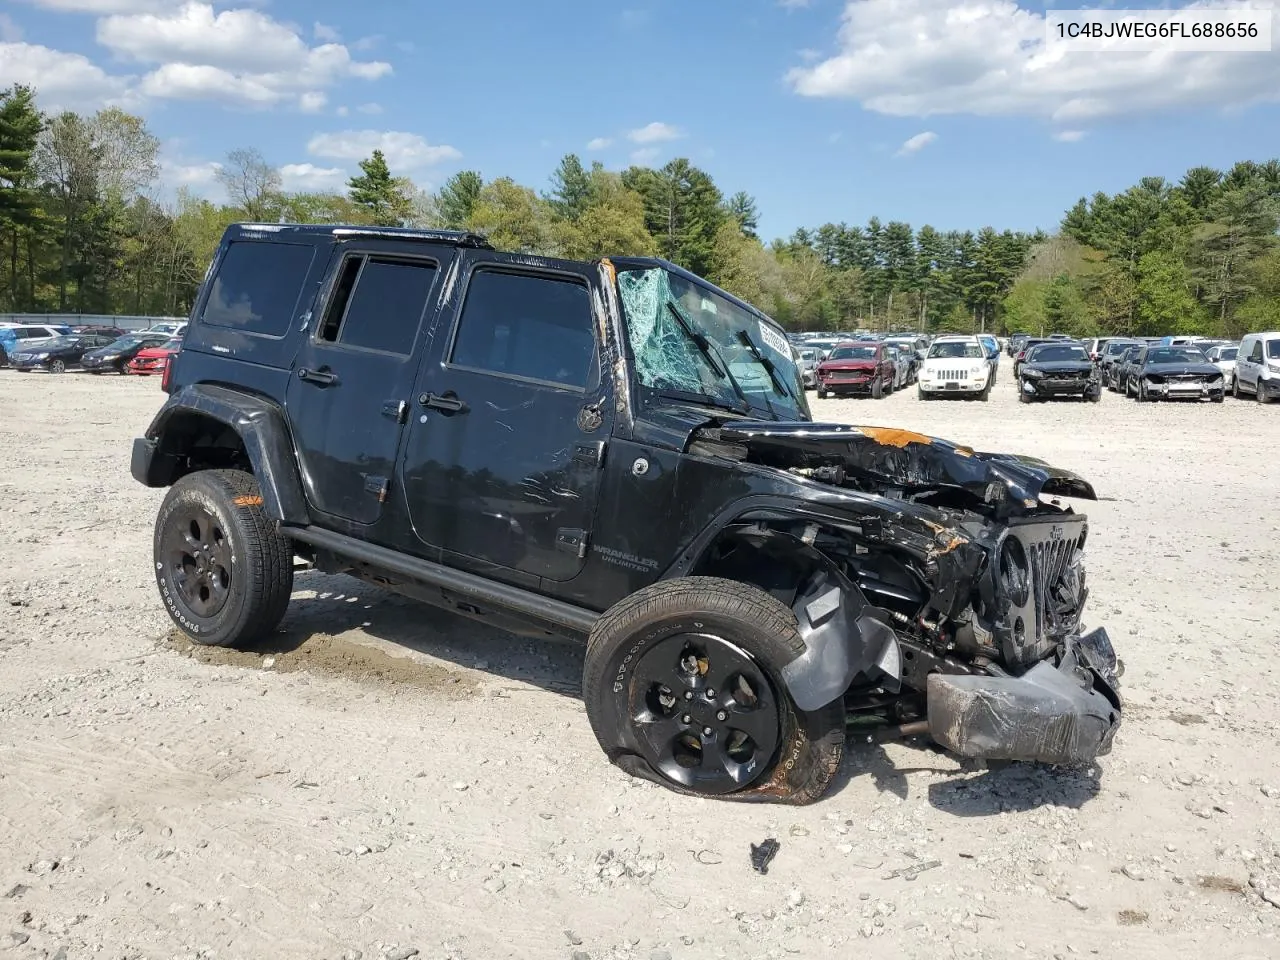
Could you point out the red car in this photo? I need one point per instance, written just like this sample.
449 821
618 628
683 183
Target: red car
856 367
155 359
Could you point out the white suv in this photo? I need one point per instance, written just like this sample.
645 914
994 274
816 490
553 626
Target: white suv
955 366
1258 366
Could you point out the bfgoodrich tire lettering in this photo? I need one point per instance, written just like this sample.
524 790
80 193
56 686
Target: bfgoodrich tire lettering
211 525
737 620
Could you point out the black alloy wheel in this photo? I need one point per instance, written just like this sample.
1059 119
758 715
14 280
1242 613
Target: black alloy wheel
708 716
198 559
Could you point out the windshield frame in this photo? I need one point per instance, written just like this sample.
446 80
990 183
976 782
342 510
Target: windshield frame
1081 354
1150 358
723 343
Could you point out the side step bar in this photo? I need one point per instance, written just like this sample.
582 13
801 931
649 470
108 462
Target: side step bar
480 589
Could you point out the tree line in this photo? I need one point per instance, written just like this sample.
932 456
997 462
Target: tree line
82 229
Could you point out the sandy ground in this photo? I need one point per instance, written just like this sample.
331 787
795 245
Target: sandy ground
385 781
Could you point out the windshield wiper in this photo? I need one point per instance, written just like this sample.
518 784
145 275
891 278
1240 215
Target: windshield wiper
745 339
690 396
704 347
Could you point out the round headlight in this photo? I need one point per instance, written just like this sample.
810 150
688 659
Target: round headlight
1014 571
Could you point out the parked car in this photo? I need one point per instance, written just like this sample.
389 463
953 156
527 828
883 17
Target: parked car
56 355
992 345
1094 346
1015 343
1223 356
1258 367
1174 373
117 354
1027 344
823 345
174 328
1053 370
99 330
1122 368
913 346
155 359
901 365
1109 356
20 336
854 367
568 454
955 366
808 364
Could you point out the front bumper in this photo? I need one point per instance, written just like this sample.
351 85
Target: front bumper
1186 389
847 386
1060 388
952 386
1066 714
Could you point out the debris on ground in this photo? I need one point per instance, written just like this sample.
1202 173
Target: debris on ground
763 854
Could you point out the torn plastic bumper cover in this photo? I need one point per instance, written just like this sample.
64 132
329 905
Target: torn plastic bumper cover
1065 714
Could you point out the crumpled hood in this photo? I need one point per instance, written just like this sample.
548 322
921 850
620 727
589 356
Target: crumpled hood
848 364
1060 366
902 458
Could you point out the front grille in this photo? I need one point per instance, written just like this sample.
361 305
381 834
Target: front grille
1056 589
1070 377
953 374
848 375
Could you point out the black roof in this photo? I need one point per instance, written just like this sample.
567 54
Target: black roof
460 238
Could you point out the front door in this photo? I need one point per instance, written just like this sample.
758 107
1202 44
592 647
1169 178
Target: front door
508 427
353 377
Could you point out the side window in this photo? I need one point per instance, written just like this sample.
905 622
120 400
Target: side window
1256 355
532 327
257 287
378 303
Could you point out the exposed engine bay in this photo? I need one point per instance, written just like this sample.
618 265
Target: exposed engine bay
944 594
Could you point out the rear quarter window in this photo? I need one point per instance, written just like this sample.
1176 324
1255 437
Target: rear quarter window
257 287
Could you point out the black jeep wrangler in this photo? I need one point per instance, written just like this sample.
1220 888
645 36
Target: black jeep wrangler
623 452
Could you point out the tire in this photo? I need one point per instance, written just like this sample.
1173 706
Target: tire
735 633
985 395
57 366
1023 396
1094 397
822 394
1260 391
877 390
224 573
123 369
1235 388
923 394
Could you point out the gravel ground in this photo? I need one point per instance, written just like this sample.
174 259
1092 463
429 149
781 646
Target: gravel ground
386 781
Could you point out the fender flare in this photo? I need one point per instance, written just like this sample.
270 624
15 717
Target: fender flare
261 427
844 635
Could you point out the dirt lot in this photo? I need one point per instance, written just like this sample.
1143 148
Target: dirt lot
385 780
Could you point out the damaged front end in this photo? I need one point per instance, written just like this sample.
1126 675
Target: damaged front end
935 587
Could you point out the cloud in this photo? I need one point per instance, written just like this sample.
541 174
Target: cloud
406 151
235 55
342 111
919 58
1069 136
599 143
370 108
10 32
916 144
325 33
795 4
365 44
313 101
190 174
65 81
309 178
644 156
654 133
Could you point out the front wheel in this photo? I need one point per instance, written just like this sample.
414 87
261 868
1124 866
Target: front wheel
1260 391
57 366
224 572
877 390
822 394
682 687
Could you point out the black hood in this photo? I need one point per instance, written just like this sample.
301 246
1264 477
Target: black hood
1059 366
1199 368
900 458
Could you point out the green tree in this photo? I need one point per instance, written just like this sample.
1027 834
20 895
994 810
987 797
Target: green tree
457 198
570 188
252 184
741 207
1166 301
1241 228
682 211
382 196
20 126
513 217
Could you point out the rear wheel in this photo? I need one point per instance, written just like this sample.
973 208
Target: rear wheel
224 572
682 687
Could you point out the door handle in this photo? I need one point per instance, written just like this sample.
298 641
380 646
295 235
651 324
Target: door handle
322 377
447 402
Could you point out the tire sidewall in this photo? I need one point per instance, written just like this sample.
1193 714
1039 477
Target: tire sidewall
209 631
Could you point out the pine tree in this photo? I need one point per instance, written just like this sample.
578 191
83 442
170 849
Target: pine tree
381 195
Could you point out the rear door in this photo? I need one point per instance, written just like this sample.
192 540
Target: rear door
509 424
1249 362
350 393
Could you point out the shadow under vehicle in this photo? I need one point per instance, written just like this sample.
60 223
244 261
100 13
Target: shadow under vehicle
620 452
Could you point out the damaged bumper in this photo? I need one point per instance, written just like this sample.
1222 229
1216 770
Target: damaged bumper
1066 714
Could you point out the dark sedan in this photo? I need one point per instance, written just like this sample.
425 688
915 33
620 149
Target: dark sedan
58 354
1175 373
1122 367
1020 357
1110 355
1058 370
117 354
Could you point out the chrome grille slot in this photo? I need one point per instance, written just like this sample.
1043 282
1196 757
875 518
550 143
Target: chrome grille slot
1050 547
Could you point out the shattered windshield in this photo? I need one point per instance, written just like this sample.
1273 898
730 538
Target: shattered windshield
689 341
